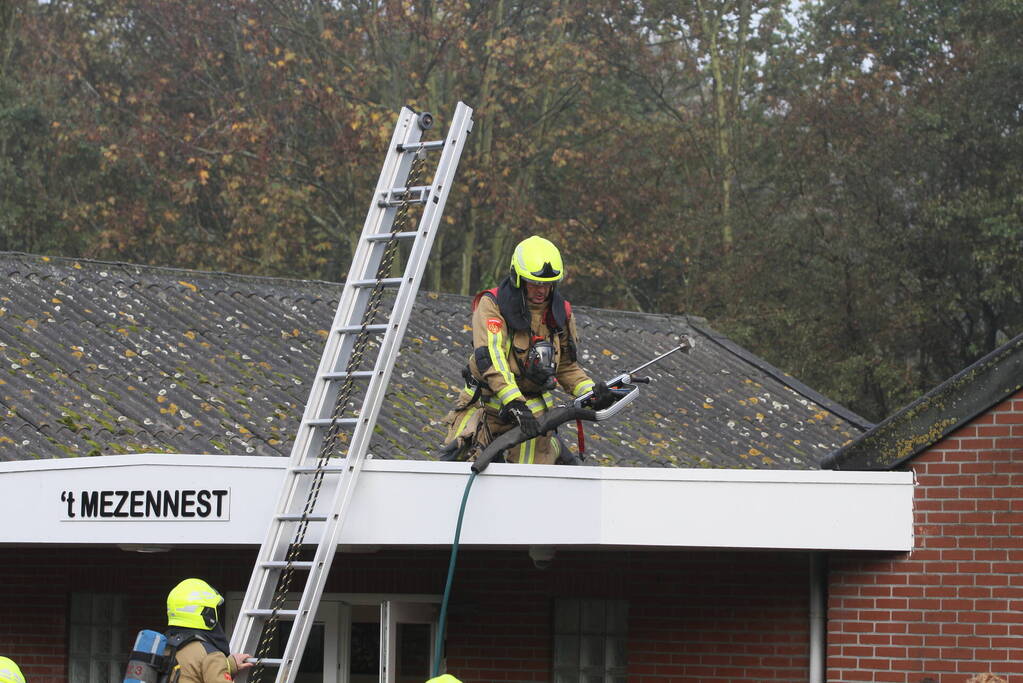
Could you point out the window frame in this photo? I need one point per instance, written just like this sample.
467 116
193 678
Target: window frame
105 622
586 630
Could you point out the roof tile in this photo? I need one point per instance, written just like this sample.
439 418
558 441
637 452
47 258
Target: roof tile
105 358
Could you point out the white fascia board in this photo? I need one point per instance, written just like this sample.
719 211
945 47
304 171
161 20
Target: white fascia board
228 500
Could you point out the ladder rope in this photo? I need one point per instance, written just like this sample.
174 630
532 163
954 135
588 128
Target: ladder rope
330 441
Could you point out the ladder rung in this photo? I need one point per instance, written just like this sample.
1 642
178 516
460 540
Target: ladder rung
265 661
351 329
313 469
421 199
386 236
328 421
302 518
413 188
286 613
384 282
416 146
358 374
281 564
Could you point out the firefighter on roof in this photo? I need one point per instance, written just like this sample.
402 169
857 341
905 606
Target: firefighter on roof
524 344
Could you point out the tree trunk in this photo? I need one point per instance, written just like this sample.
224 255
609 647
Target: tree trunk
484 150
725 104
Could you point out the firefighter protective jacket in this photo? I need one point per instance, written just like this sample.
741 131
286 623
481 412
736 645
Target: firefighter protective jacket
201 662
503 327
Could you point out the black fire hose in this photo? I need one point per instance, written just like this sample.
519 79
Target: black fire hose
513 437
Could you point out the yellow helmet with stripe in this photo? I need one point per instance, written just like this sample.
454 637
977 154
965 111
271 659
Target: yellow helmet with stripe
9 671
193 603
536 260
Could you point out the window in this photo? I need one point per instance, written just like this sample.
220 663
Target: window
99 640
590 641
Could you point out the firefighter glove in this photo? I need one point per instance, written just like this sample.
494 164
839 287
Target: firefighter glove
602 396
519 413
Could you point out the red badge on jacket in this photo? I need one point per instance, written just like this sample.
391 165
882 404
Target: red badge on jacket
494 325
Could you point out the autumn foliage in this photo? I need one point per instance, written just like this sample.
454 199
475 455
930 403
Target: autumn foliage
835 187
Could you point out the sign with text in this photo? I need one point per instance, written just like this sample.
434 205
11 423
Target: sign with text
94 505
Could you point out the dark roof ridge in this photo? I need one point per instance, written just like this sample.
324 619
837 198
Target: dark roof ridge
170 269
936 414
700 325
641 314
309 281
780 375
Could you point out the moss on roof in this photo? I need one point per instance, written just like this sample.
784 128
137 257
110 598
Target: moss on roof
108 358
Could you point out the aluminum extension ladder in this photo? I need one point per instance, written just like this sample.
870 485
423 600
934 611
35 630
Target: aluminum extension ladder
317 488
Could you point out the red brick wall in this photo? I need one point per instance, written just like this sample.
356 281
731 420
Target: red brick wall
693 616
699 617
953 607
37 583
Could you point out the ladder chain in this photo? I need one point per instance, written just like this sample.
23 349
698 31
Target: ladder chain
330 441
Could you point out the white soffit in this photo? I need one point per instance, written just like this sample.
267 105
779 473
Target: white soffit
227 500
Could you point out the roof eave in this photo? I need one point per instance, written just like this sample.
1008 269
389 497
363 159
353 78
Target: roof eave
416 503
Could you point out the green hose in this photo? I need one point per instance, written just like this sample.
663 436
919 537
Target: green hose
438 649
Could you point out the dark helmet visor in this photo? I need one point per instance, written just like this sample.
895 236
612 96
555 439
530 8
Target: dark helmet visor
209 616
547 271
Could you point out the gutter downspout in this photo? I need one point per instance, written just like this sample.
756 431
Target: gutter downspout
818 615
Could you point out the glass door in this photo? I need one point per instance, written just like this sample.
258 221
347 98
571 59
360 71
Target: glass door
407 633
362 638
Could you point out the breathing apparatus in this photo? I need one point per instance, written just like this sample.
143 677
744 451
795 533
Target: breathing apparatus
540 366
